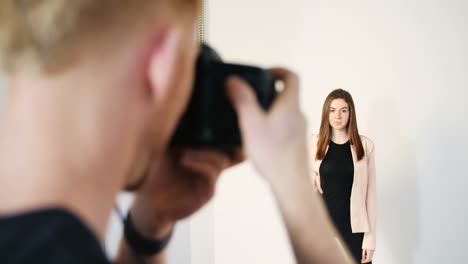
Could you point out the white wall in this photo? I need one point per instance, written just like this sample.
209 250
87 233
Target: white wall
406 65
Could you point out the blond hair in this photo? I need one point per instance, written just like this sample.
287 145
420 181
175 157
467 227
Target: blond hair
45 35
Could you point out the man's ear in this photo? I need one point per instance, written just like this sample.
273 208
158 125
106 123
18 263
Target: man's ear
163 62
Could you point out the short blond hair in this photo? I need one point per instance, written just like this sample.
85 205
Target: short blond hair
43 34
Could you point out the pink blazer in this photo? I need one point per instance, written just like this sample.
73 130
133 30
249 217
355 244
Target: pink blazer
363 193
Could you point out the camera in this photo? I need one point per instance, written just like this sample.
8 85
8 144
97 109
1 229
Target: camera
210 119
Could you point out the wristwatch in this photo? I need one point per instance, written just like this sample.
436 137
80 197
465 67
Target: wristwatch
139 243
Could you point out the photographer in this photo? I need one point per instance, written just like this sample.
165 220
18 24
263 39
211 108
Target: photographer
96 89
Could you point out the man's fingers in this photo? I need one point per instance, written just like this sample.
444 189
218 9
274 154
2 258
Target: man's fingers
216 158
290 93
289 78
237 156
204 178
245 102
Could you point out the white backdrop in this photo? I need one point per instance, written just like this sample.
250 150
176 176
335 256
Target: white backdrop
406 64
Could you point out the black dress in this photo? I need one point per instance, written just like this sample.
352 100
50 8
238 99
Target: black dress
336 176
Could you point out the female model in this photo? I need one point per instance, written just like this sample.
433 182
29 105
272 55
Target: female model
344 173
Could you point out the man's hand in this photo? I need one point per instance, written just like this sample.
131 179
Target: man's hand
178 185
275 141
175 186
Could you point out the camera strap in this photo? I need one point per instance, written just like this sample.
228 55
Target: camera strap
201 22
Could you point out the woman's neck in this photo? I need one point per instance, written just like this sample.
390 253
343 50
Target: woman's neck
340 136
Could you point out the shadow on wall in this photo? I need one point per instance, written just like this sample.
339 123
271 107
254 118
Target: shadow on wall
397 185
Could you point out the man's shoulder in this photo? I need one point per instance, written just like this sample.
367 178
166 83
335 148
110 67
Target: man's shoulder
48 236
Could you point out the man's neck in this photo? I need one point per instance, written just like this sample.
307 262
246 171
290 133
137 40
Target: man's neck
62 148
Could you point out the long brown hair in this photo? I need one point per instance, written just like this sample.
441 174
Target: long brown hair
325 129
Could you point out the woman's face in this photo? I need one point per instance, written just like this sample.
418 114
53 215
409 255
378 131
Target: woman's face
339 114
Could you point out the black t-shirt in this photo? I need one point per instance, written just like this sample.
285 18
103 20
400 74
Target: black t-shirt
50 236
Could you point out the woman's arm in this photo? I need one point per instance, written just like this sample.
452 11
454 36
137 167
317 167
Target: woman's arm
370 237
314 172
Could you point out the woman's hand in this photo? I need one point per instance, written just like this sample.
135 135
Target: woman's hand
367 255
317 183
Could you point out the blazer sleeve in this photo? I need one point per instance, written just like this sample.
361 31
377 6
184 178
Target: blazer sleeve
369 241
312 152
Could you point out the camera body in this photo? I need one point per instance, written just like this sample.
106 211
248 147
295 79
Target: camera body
210 119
